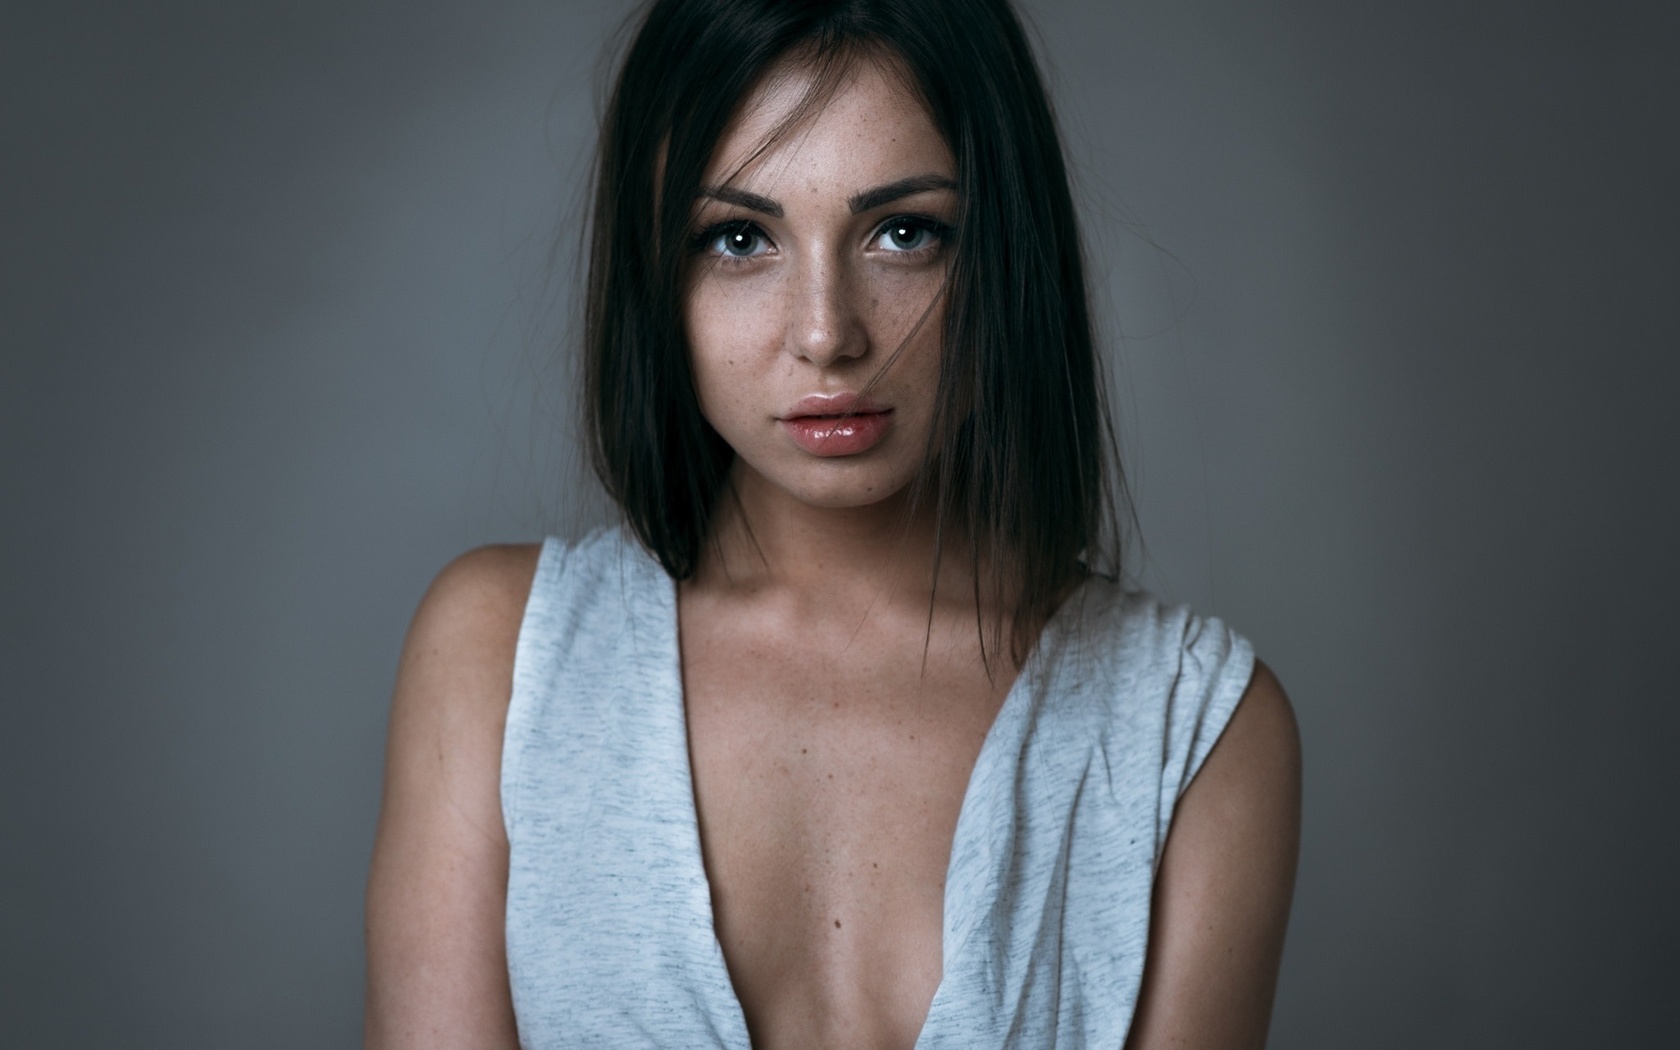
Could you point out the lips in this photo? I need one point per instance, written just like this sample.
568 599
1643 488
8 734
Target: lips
830 425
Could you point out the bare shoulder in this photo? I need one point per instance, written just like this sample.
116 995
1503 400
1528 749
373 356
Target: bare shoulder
1234 837
1222 895
1261 747
473 608
437 972
456 672
454 681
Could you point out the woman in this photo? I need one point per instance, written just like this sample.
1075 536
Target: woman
843 739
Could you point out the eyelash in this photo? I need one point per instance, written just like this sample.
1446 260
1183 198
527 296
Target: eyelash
706 238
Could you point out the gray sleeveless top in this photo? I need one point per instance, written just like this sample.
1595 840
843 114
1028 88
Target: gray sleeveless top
610 940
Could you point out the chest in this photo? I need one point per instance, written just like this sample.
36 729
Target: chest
829 773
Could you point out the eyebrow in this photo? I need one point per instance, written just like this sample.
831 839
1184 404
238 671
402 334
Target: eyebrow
871 199
750 201
859 203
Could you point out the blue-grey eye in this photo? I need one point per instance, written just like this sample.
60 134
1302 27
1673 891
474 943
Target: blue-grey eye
740 242
906 235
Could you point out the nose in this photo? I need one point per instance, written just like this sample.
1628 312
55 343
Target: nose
824 326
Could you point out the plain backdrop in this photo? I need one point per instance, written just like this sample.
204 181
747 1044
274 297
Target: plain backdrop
1390 291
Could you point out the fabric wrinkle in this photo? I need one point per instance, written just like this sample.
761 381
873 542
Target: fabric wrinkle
610 930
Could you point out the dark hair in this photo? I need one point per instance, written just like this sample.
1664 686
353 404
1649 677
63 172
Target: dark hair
1020 449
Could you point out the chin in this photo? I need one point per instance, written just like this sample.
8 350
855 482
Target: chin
849 496
833 486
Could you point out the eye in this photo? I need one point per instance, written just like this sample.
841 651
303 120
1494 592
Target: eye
909 233
734 240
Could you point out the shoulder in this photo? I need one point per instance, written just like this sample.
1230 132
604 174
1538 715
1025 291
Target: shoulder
466 627
1252 776
1169 666
455 675
1263 736
1223 891
1113 617
436 961
479 597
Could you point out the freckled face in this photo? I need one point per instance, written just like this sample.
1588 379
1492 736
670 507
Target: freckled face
812 266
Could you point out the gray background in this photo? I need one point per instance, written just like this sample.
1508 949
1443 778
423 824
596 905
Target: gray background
1391 291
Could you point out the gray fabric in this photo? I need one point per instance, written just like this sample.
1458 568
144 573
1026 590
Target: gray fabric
609 929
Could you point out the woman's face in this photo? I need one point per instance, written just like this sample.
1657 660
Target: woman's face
812 265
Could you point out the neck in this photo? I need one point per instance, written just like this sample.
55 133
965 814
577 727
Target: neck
765 539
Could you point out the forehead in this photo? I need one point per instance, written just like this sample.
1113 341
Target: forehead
871 129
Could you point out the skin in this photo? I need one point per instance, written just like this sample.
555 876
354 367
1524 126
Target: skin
833 723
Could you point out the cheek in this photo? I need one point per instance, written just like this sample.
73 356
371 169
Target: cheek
908 310
726 331
895 297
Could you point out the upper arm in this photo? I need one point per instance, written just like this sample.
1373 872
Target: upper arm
437 965
1222 894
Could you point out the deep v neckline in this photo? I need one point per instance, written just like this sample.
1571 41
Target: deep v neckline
972 846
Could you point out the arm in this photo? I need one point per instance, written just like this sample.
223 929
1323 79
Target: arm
437 965
1222 894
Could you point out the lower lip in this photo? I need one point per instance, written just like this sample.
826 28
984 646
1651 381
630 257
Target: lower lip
838 435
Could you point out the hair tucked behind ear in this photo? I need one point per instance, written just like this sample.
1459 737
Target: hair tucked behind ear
1021 463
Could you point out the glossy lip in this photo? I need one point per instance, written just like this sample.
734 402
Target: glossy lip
833 405
836 424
